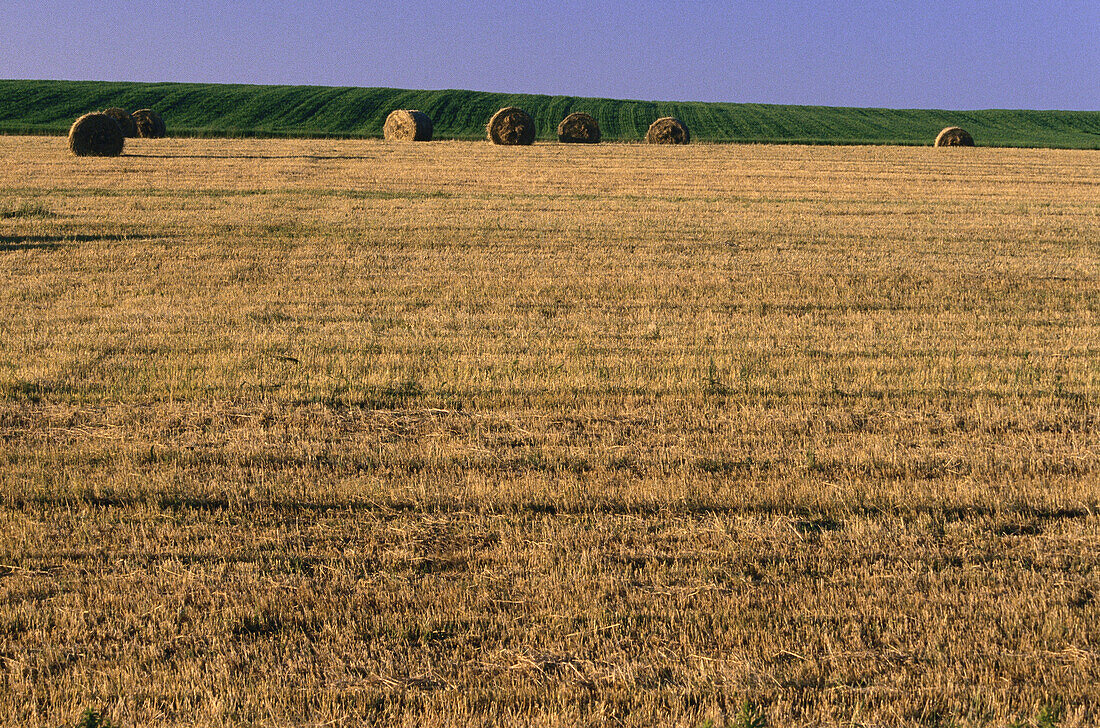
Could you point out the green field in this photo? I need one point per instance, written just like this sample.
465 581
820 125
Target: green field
49 107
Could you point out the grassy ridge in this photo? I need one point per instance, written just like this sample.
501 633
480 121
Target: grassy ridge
239 110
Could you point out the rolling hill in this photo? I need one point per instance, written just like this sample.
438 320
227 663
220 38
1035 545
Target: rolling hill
49 107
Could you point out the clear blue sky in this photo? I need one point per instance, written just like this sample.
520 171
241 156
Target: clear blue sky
959 54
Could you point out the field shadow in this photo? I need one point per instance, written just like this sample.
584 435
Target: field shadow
806 519
9 247
10 243
251 156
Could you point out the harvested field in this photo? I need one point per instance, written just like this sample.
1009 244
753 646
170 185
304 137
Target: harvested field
319 432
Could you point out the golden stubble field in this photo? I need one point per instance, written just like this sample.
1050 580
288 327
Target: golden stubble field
345 433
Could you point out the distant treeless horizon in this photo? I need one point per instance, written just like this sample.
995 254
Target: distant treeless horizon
898 55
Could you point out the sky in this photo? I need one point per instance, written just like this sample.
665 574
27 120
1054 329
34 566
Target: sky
963 54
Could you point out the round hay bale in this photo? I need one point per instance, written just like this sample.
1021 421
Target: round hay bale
668 130
953 136
149 124
96 135
511 126
579 128
125 121
408 125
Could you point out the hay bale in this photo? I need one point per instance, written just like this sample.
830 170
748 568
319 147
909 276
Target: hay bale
149 124
668 130
125 121
408 125
96 135
953 136
579 128
511 126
